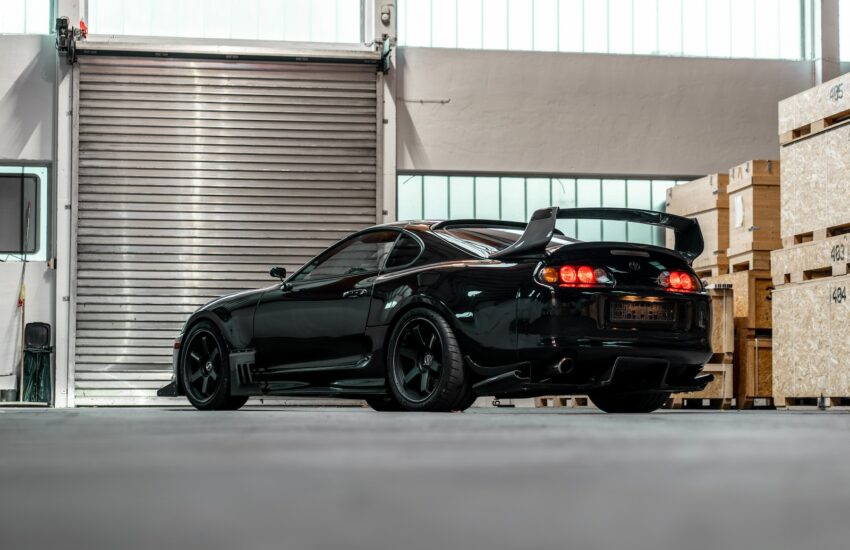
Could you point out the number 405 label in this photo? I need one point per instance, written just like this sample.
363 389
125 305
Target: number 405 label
839 295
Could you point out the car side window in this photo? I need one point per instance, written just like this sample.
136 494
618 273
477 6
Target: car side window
363 254
406 250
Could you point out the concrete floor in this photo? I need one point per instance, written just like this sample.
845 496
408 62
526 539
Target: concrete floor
488 478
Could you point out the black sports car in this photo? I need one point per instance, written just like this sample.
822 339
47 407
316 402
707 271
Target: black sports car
427 316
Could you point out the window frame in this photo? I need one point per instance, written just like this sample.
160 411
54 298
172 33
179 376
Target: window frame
333 249
416 239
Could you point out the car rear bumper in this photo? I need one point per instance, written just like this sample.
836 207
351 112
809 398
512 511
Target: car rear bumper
626 374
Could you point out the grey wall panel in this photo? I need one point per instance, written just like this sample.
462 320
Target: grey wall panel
194 178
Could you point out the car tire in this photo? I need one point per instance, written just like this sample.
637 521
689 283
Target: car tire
384 404
205 370
644 402
425 367
465 400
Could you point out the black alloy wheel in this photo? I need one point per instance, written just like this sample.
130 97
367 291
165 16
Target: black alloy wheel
420 360
204 371
425 365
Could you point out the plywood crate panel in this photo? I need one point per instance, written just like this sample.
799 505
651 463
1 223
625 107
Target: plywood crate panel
722 320
813 196
754 210
754 367
815 259
812 349
751 293
816 104
704 199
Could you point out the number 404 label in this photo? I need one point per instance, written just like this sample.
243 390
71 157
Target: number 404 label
839 295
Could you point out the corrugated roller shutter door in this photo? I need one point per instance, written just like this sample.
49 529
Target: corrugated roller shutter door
194 178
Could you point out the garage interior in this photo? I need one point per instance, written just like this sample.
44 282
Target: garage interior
157 154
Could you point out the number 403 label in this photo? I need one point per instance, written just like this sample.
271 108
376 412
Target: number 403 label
839 295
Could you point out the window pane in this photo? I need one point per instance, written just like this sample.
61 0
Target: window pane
790 27
645 26
589 195
719 28
659 203
513 199
487 198
694 27
436 197
743 29
564 196
670 27
538 195
620 26
444 21
38 17
520 30
496 24
596 26
293 20
461 197
409 198
270 13
614 196
570 26
546 25
469 19
767 28
639 195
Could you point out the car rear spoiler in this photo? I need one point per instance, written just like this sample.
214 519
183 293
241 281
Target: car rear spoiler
541 228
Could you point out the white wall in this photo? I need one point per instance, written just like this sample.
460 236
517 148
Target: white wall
27 83
27 76
561 113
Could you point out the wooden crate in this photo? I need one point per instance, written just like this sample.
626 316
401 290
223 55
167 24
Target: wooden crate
814 174
811 356
815 259
754 214
814 110
751 294
753 367
705 199
722 318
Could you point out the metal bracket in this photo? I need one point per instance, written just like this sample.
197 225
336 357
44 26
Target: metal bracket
386 53
66 39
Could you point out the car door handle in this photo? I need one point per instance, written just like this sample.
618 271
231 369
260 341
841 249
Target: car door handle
356 293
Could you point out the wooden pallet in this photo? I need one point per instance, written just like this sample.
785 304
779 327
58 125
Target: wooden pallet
721 404
753 365
568 401
815 127
815 259
816 235
749 260
812 403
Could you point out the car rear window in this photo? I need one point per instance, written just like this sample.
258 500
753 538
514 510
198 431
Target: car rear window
484 241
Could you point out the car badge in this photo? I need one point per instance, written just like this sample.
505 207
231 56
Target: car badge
634 266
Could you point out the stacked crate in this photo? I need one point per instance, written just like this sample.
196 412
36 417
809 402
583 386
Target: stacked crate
739 218
704 199
754 231
811 363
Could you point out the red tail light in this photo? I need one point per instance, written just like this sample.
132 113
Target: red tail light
575 276
678 281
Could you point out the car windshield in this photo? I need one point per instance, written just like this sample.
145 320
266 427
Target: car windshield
484 241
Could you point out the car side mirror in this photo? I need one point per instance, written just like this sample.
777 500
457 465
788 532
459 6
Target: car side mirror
278 273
